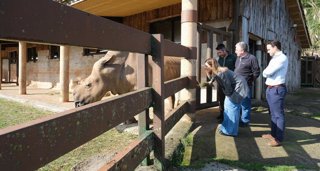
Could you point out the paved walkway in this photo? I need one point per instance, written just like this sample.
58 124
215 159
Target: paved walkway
300 148
48 99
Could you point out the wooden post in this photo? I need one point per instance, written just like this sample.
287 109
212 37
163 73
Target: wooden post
259 79
142 80
209 55
157 64
64 73
189 18
22 67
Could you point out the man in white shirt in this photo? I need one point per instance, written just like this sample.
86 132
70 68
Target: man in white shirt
276 78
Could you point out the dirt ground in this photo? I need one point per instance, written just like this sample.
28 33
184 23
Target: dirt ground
300 148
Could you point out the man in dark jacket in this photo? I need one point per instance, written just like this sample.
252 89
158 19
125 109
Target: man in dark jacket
225 60
247 66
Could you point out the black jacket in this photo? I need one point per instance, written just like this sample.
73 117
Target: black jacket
248 67
233 86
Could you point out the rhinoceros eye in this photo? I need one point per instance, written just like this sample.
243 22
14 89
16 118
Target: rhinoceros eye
88 85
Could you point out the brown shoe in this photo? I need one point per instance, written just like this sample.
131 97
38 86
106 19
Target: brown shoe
274 143
267 136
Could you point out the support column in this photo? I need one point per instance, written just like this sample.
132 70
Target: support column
22 67
189 18
64 73
245 29
259 79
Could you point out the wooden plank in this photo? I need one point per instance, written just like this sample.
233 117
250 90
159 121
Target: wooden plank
51 22
205 27
157 65
175 115
173 86
34 144
173 49
132 156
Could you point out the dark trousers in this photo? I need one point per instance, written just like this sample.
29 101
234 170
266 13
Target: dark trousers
275 98
220 98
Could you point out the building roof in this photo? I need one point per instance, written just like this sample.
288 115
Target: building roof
297 15
122 8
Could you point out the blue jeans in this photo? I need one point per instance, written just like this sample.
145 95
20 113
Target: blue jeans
275 98
231 116
246 108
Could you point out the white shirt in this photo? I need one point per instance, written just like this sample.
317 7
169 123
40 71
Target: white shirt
276 70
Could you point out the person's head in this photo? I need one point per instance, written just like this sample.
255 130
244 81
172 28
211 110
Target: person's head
241 49
211 66
221 51
273 47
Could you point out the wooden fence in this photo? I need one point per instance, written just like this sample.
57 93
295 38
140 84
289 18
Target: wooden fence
32 145
310 71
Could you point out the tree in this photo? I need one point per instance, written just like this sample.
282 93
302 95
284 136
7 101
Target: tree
312 14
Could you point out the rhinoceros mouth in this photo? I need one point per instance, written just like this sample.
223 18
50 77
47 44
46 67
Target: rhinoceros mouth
79 104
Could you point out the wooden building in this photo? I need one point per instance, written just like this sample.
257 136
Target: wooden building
230 21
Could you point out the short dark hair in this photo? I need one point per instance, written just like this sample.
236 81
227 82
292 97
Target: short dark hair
275 43
221 47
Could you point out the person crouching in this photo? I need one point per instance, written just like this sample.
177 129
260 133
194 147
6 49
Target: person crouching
235 88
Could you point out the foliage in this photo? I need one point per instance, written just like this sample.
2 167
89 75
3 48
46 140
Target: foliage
65 1
312 14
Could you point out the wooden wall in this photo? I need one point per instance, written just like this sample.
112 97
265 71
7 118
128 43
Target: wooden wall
209 10
269 19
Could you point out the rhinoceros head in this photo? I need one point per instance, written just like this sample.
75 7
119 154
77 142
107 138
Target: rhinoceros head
105 71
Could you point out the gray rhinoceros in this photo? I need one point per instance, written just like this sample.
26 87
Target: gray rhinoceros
116 72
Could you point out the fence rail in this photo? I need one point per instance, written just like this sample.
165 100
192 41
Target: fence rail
32 145
131 157
51 22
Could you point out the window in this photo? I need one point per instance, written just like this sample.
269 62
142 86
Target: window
54 52
170 28
91 52
32 54
13 57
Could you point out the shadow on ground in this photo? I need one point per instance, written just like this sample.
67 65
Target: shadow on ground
300 147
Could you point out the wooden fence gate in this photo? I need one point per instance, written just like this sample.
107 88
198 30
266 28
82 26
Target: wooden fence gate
32 145
221 37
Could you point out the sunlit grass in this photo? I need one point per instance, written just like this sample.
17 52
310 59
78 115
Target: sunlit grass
13 113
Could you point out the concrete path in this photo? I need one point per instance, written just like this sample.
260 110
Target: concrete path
301 146
48 99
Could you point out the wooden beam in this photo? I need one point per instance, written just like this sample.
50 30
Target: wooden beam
54 23
132 156
22 68
175 115
31 145
64 73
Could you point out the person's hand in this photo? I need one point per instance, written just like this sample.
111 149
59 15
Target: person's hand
206 84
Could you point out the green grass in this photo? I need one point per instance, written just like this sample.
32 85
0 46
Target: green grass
13 113
104 144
